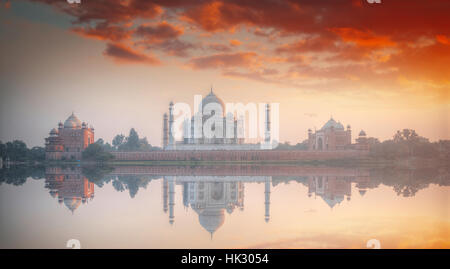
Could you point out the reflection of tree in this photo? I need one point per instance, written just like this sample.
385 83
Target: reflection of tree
131 183
96 174
100 175
17 175
118 186
407 182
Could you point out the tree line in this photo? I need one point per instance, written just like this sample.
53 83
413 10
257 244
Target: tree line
404 143
407 143
17 151
100 151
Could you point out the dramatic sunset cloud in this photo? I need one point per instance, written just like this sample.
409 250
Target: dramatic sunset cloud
378 58
103 31
242 59
159 32
327 39
124 54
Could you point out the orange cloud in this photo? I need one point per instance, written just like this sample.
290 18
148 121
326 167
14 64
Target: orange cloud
335 39
104 32
235 42
443 39
123 54
225 60
363 38
159 32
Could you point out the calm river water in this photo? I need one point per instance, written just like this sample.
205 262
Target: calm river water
224 207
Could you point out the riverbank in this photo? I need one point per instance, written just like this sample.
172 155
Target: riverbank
362 162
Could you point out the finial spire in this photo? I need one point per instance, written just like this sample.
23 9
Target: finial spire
211 88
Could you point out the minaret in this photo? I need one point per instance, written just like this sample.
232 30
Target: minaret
267 199
267 129
171 199
165 190
165 131
171 139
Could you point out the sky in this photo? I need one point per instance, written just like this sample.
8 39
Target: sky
118 63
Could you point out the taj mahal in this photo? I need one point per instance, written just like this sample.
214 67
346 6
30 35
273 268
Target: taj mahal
227 130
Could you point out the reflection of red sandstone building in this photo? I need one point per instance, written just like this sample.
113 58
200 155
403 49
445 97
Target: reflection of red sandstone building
69 140
69 186
333 189
333 136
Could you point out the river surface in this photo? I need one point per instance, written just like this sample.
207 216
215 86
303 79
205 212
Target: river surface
224 207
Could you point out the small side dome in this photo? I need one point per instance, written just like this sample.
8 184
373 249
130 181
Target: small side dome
348 127
54 132
362 133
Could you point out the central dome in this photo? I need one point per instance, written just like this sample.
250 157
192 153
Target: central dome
72 122
332 123
212 98
211 219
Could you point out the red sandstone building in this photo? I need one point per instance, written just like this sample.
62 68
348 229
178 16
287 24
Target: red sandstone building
333 136
69 140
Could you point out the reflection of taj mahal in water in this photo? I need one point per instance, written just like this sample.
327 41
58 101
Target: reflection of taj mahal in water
211 197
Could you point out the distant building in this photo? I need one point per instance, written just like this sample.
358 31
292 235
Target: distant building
332 136
69 140
362 143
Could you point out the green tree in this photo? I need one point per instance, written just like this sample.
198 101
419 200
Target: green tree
95 152
118 141
37 154
133 140
105 146
17 151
